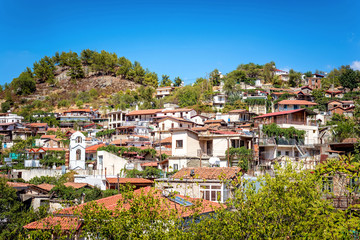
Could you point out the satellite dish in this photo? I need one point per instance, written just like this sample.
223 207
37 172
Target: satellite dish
214 161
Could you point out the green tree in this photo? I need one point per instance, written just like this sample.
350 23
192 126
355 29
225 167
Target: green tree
165 81
151 79
125 66
87 57
349 78
5 106
44 70
25 83
308 74
232 79
268 71
177 82
214 77
76 70
294 78
188 96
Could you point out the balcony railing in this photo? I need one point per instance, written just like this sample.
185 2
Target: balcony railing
279 141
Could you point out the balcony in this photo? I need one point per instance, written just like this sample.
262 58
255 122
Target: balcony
279 141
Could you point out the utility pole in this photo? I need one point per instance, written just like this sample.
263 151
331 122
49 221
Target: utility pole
228 156
200 156
118 176
160 144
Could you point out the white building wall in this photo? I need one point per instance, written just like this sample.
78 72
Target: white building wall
113 164
74 146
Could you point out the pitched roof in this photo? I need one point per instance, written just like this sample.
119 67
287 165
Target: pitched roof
111 203
215 121
177 110
166 140
79 110
18 184
65 223
238 111
297 102
46 186
94 147
282 113
306 87
48 136
150 164
174 118
37 124
144 112
76 185
213 173
129 180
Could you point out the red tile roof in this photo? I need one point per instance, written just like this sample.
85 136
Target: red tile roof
177 110
150 164
111 203
130 180
296 102
144 112
167 140
213 173
238 111
280 113
18 184
37 124
94 148
76 185
48 136
214 121
66 223
46 186
78 110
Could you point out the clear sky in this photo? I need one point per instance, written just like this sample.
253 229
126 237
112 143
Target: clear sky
183 38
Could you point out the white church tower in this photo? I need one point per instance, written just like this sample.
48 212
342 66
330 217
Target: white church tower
77 151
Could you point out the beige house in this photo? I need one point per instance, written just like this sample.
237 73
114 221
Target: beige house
213 184
164 125
193 149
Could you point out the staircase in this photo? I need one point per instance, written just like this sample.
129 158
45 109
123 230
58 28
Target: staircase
302 152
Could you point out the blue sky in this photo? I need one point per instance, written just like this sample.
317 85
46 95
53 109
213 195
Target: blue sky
183 38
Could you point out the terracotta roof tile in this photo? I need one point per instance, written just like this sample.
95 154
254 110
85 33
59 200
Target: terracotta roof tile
144 112
66 223
94 147
214 121
150 164
48 136
177 110
280 113
297 102
76 185
46 186
214 173
130 180
238 111
18 184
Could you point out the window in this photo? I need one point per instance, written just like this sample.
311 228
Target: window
176 167
285 106
211 192
78 139
163 126
78 154
179 143
354 184
172 125
278 153
180 125
287 153
328 184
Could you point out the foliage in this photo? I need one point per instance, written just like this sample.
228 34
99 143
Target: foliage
344 127
188 96
242 154
269 72
294 78
25 83
107 132
286 206
44 70
165 81
52 158
14 214
214 77
177 82
5 106
255 101
320 99
44 179
273 130
349 78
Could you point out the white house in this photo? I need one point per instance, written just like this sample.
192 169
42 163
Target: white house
77 151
